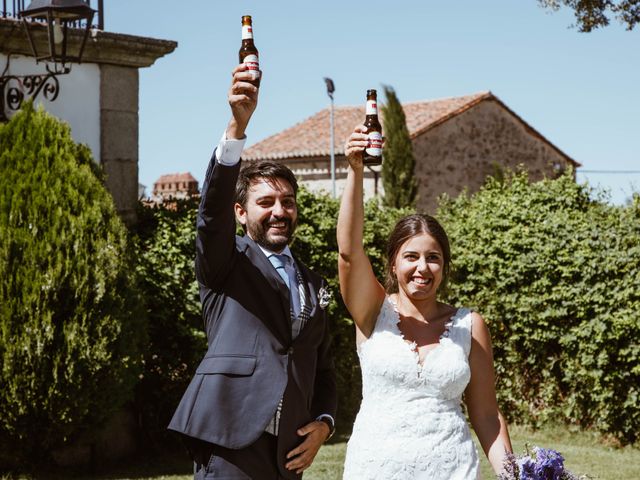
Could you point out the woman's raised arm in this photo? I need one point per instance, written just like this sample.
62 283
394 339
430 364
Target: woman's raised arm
362 293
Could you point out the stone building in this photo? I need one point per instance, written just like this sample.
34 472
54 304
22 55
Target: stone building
174 186
97 98
457 143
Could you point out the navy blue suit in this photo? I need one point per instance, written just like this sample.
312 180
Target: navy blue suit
252 361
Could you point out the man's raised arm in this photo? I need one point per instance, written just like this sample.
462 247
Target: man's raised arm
215 238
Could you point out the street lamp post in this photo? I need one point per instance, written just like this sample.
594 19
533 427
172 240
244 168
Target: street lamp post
330 89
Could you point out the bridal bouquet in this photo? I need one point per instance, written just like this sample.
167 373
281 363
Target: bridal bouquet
541 464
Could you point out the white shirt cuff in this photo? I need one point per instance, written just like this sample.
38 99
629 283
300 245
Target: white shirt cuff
326 415
229 150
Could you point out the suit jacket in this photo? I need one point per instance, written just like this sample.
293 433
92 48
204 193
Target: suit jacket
252 361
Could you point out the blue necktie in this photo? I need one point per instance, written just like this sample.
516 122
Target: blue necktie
285 268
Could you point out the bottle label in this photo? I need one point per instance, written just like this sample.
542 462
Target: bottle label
253 65
247 32
372 107
374 144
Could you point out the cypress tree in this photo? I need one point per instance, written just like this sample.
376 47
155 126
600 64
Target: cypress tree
398 177
70 334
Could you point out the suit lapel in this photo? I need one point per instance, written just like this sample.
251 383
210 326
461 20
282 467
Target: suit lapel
283 322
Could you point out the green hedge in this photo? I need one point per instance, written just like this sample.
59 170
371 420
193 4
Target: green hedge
556 274
165 240
70 332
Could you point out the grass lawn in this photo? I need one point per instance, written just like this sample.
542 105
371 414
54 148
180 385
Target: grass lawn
583 452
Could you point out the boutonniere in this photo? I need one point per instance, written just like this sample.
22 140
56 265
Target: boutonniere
324 297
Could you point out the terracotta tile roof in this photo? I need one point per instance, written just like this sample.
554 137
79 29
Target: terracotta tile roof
303 139
176 177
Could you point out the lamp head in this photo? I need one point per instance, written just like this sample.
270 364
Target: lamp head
57 17
330 86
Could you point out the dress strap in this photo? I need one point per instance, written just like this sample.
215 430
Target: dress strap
460 329
387 318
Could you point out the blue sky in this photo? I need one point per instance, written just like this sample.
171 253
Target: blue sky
581 91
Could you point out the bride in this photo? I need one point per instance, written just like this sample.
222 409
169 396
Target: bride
418 356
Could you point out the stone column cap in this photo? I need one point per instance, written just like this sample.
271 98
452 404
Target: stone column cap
102 47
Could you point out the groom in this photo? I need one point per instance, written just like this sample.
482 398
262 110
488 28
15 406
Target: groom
263 399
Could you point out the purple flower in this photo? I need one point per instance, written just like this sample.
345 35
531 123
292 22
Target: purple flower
510 467
527 468
540 464
549 464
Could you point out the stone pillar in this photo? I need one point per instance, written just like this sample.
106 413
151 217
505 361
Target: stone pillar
119 136
120 57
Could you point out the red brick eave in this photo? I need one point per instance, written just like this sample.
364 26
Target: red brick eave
491 97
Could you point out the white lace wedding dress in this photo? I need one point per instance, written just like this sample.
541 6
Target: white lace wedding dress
410 425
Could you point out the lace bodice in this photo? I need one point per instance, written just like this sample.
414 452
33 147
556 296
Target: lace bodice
410 425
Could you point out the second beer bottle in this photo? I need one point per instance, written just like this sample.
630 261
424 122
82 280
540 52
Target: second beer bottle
373 152
248 52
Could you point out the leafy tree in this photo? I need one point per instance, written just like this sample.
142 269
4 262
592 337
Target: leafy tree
592 14
398 176
70 331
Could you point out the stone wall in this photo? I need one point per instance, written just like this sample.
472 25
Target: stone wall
464 150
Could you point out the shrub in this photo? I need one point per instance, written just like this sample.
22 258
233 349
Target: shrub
70 333
556 274
165 239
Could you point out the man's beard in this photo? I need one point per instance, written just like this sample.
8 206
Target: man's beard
258 232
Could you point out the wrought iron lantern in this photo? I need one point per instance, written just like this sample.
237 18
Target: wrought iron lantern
55 18
58 17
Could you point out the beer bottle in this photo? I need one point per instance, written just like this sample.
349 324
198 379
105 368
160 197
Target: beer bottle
248 51
373 152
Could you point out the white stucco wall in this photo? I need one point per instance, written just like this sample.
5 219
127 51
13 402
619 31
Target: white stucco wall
78 101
